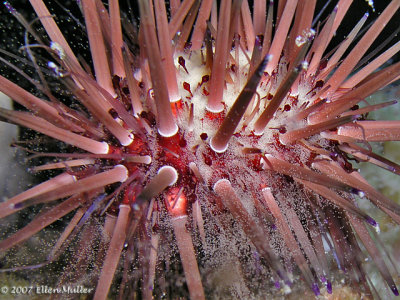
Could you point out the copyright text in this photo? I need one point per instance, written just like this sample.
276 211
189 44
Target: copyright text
44 290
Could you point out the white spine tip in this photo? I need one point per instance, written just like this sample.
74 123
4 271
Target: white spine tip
324 135
258 132
310 120
282 140
169 172
264 164
147 159
174 98
217 148
124 174
127 141
124 206
217 109
221 184
104 149
169 132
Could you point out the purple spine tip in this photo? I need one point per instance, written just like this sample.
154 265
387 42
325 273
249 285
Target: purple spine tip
323 279
277 285
258 41
288 282
395 290
357 192
315 289
329 287
9 7
371 221
18 205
